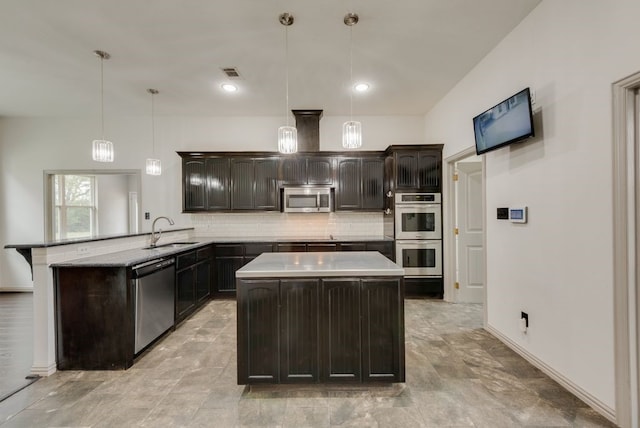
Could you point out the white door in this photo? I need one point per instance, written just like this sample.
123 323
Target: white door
469 241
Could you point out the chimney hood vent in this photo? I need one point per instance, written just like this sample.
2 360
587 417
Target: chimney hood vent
308 125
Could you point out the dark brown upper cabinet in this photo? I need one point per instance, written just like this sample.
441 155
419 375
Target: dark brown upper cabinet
205 183
251 181
299 170
254 184
360 183
415 168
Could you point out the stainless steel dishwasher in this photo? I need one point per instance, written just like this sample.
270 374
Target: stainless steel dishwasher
155 300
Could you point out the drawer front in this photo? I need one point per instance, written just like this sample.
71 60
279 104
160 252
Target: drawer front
229 250
257 249
205 253
290 247
185 260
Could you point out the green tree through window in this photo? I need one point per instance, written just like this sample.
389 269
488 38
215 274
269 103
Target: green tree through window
74 214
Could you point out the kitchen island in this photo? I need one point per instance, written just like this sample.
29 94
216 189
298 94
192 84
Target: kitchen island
333 317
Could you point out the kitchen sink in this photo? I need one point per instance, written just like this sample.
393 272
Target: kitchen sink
171 245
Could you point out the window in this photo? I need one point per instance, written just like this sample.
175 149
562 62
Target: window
74 213
84 204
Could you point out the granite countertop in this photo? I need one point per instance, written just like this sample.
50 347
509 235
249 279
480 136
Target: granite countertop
331 238
60 242
140 255
329 264
132 257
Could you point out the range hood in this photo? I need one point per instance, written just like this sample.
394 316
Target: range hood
308 125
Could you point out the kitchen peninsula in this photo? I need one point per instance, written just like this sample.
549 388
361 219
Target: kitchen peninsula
320 318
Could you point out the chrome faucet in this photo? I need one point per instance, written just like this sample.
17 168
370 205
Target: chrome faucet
154 236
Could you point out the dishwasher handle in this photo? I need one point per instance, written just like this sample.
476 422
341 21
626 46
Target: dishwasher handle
152 266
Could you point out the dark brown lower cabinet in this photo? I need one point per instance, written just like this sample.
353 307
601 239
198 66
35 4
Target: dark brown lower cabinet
299 358
381 310
193 281
341 344
258 318
95 322
330 330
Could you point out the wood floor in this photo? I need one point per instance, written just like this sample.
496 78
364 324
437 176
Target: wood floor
16 341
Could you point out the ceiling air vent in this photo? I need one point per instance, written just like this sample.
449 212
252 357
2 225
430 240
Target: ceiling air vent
231 72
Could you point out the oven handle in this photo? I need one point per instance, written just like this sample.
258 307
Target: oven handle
417 206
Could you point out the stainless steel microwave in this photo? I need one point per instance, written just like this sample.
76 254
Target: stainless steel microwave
307 199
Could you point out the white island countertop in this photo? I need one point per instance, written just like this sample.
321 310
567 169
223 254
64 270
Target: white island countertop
320 264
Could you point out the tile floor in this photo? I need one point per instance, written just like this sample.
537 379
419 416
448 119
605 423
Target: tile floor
458 375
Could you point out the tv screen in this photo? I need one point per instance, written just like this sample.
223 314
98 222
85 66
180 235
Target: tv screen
505 123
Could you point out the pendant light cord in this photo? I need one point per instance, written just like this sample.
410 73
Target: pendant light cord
286 60
351 73
102 94
153 126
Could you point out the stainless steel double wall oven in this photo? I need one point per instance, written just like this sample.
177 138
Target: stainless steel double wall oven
418 234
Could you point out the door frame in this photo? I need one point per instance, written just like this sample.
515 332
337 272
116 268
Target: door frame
449 221
626 290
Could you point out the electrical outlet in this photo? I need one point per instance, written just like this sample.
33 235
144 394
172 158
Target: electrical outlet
83 250
147 216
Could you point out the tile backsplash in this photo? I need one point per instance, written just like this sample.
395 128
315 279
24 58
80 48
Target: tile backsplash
288 225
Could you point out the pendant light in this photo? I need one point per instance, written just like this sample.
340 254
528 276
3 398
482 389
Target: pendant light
287 135
351 130
102 149
154 166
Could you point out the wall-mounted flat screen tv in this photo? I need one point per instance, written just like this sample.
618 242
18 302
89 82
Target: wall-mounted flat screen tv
507 122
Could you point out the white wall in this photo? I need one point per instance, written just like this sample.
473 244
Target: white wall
113 204
30 145
558 267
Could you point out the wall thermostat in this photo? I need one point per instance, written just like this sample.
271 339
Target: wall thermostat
518 214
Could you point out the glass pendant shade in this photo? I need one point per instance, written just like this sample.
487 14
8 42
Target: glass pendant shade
351 134
287 139
102 151
154 167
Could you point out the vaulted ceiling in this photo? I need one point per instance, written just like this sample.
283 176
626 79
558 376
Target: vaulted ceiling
411 52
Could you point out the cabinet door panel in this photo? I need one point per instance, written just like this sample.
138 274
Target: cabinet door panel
194 182
203 281
349 190
299 358
406 170
218 177
340 320
293 170
429 170
226 268
185 293
372 184
242 177
382 333
320 170
266 184
259 331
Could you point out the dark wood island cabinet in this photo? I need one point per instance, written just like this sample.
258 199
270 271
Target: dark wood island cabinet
326 317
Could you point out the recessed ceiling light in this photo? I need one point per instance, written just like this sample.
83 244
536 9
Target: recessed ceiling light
361 87
228 87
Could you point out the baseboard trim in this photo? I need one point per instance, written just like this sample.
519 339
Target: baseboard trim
583 395
16 289
44 371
